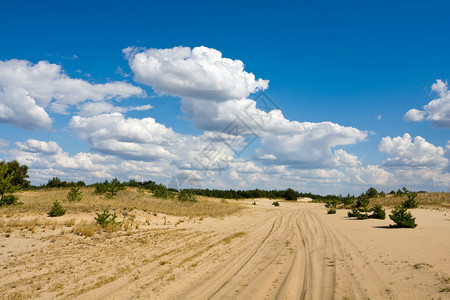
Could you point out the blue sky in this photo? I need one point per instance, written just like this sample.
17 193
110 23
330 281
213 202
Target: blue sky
354 83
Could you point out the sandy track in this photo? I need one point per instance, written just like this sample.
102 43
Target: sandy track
288 253
295 251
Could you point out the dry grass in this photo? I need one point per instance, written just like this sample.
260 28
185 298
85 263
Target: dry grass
424 200
86 228
40 202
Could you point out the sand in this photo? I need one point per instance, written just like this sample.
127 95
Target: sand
294 251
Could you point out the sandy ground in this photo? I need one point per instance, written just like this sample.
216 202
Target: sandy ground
294 251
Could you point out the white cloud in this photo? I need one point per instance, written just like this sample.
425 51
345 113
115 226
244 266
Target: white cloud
200 73
437 111
407 152
19 109
35 146
47 159
414 115
28 89
309 146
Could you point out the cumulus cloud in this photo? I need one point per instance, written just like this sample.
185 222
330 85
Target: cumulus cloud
437 111
214 93
36 146
27 89
19 109
47 159
200 73
414 115
404 151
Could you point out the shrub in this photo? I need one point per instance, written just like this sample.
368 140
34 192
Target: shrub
411 201
186 196
402 218
253 203
378 212
107 219
10 200
275 203
160 191
75 195
331 205
331 210
57 210
353 213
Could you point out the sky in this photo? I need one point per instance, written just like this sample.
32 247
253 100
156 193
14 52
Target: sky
330 97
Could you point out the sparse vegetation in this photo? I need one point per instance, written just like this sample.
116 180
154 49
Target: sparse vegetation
275 203
331 205
361 210
57 210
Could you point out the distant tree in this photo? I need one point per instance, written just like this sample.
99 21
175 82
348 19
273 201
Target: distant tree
20 173
290 194
6 185
372 193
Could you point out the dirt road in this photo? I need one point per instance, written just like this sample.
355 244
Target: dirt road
288 252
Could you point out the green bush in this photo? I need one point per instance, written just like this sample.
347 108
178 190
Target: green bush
275 203
353 213
57 210
186 196
402 218
104 219
378 212
10 200
160 191
75 195
331 211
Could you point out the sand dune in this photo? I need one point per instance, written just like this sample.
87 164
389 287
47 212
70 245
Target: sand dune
294 251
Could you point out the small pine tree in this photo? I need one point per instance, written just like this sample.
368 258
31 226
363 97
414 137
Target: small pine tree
402 218
411 201
57 210
106 218
275 203
75 195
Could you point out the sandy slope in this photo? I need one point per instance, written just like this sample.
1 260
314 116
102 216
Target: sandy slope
295 251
